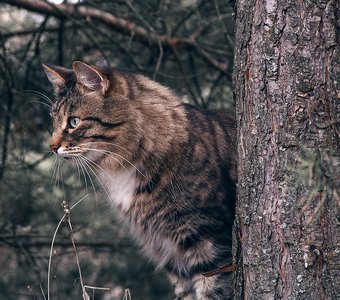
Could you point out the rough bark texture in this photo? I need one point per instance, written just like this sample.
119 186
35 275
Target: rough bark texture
287 88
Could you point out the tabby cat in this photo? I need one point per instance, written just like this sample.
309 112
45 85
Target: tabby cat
169 168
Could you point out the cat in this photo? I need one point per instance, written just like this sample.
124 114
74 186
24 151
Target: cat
169 169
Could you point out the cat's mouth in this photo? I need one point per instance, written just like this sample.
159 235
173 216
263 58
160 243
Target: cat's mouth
69 152
78 153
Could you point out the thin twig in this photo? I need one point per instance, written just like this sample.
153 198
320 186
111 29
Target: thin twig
77 257
159 42
182 70
6 73
96 288
42 292
19 33
50 257
127 295
66 215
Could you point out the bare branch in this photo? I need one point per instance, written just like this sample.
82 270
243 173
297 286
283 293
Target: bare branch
121 25
33 241
118 24
9 104
18 33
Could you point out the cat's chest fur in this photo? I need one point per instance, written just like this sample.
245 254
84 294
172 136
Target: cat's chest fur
120 187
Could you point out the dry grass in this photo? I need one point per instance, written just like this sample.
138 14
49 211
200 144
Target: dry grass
84 287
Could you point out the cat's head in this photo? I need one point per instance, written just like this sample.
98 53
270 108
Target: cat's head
92 115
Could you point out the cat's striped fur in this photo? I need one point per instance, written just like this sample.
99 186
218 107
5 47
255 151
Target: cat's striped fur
169 168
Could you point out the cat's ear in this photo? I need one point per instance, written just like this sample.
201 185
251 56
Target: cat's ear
90 77
57 76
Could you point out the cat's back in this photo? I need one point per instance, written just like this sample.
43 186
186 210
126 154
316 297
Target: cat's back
212 137
205 171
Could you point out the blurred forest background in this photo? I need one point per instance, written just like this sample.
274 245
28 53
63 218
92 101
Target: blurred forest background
185 44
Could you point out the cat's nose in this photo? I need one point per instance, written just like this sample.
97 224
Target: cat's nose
55 142
54 147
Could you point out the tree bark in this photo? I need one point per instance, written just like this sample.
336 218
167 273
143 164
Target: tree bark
287 89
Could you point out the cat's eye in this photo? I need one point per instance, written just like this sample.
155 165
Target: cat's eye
73 122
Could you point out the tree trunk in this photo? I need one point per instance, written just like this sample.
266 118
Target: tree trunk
287 88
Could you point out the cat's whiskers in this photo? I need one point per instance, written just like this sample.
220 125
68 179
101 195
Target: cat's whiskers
95 164
142 151
106 152
88 163
47 101
43 103
55 165
41 95
78 168
119 146
85 163
57 175
112 154
61 179
84 167
82 170
106 143
57 178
